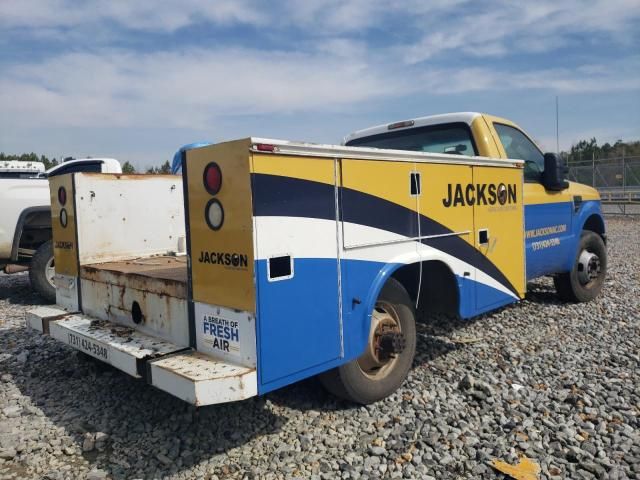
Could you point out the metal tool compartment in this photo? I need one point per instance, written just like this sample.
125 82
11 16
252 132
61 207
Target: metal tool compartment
148 294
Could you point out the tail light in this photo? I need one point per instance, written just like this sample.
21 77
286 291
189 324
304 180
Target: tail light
265 147
406 123
212 178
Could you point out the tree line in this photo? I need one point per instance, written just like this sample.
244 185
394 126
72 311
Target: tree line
127 167
589 149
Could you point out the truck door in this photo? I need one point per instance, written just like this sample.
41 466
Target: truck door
548 215
499 235
378 208
446 225
294 206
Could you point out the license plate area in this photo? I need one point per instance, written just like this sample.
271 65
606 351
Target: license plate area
118 345
88 346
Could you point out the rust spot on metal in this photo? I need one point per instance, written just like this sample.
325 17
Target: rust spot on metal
153 275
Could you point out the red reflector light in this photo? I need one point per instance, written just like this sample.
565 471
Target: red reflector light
265 147
62 195
406 123
212 178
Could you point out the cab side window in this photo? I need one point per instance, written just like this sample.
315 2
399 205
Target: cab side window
519 147
451 138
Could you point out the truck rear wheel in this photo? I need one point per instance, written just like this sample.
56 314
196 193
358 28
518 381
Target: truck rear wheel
42 270
585 280
384 365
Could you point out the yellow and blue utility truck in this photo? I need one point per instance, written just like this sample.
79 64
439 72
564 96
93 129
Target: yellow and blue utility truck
270 261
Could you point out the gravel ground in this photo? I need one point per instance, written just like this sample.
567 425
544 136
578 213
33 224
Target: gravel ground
557 382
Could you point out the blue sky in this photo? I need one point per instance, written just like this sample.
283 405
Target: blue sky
135 80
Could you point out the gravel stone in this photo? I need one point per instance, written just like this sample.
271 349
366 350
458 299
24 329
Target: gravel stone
89 442
377 451
8 453
12 412
97 475
65 416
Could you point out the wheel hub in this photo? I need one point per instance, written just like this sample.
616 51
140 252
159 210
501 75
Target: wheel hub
386 342
390 344
50 271
588 267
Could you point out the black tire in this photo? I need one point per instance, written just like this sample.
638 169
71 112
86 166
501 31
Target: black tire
350 382
569 285
38 272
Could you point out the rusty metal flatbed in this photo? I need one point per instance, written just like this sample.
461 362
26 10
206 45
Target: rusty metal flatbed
164 275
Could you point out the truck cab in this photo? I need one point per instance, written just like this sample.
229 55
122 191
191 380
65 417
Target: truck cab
564 226
25 219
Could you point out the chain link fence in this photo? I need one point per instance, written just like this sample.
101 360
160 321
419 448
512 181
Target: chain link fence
617 180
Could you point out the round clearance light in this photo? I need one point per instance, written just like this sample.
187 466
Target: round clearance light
212 178
63 218
214 214
62 196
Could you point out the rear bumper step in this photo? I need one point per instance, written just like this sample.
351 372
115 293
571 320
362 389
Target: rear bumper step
182 372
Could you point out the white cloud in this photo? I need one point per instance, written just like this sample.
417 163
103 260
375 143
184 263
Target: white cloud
181 89
616 76
504 27
168 16
193 88
416 29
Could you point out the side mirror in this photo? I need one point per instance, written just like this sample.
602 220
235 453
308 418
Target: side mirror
554 172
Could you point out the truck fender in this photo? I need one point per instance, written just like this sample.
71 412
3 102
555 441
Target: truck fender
20 226
589 217
381 278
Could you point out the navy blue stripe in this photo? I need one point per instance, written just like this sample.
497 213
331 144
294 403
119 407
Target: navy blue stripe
372 211
275 195
364 209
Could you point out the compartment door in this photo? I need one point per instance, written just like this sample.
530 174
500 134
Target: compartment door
299 325
378 206
499 235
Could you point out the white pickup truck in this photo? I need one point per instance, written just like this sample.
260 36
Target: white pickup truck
25 216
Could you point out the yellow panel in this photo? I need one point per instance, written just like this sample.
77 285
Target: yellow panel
215 278
585 191
505 223
65 248
436 179
535 193
384 179
305 168
484 139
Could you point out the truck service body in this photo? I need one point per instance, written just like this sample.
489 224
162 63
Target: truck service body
300 259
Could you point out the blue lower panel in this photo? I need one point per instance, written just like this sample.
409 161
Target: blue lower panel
547 253
298 322
491 297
